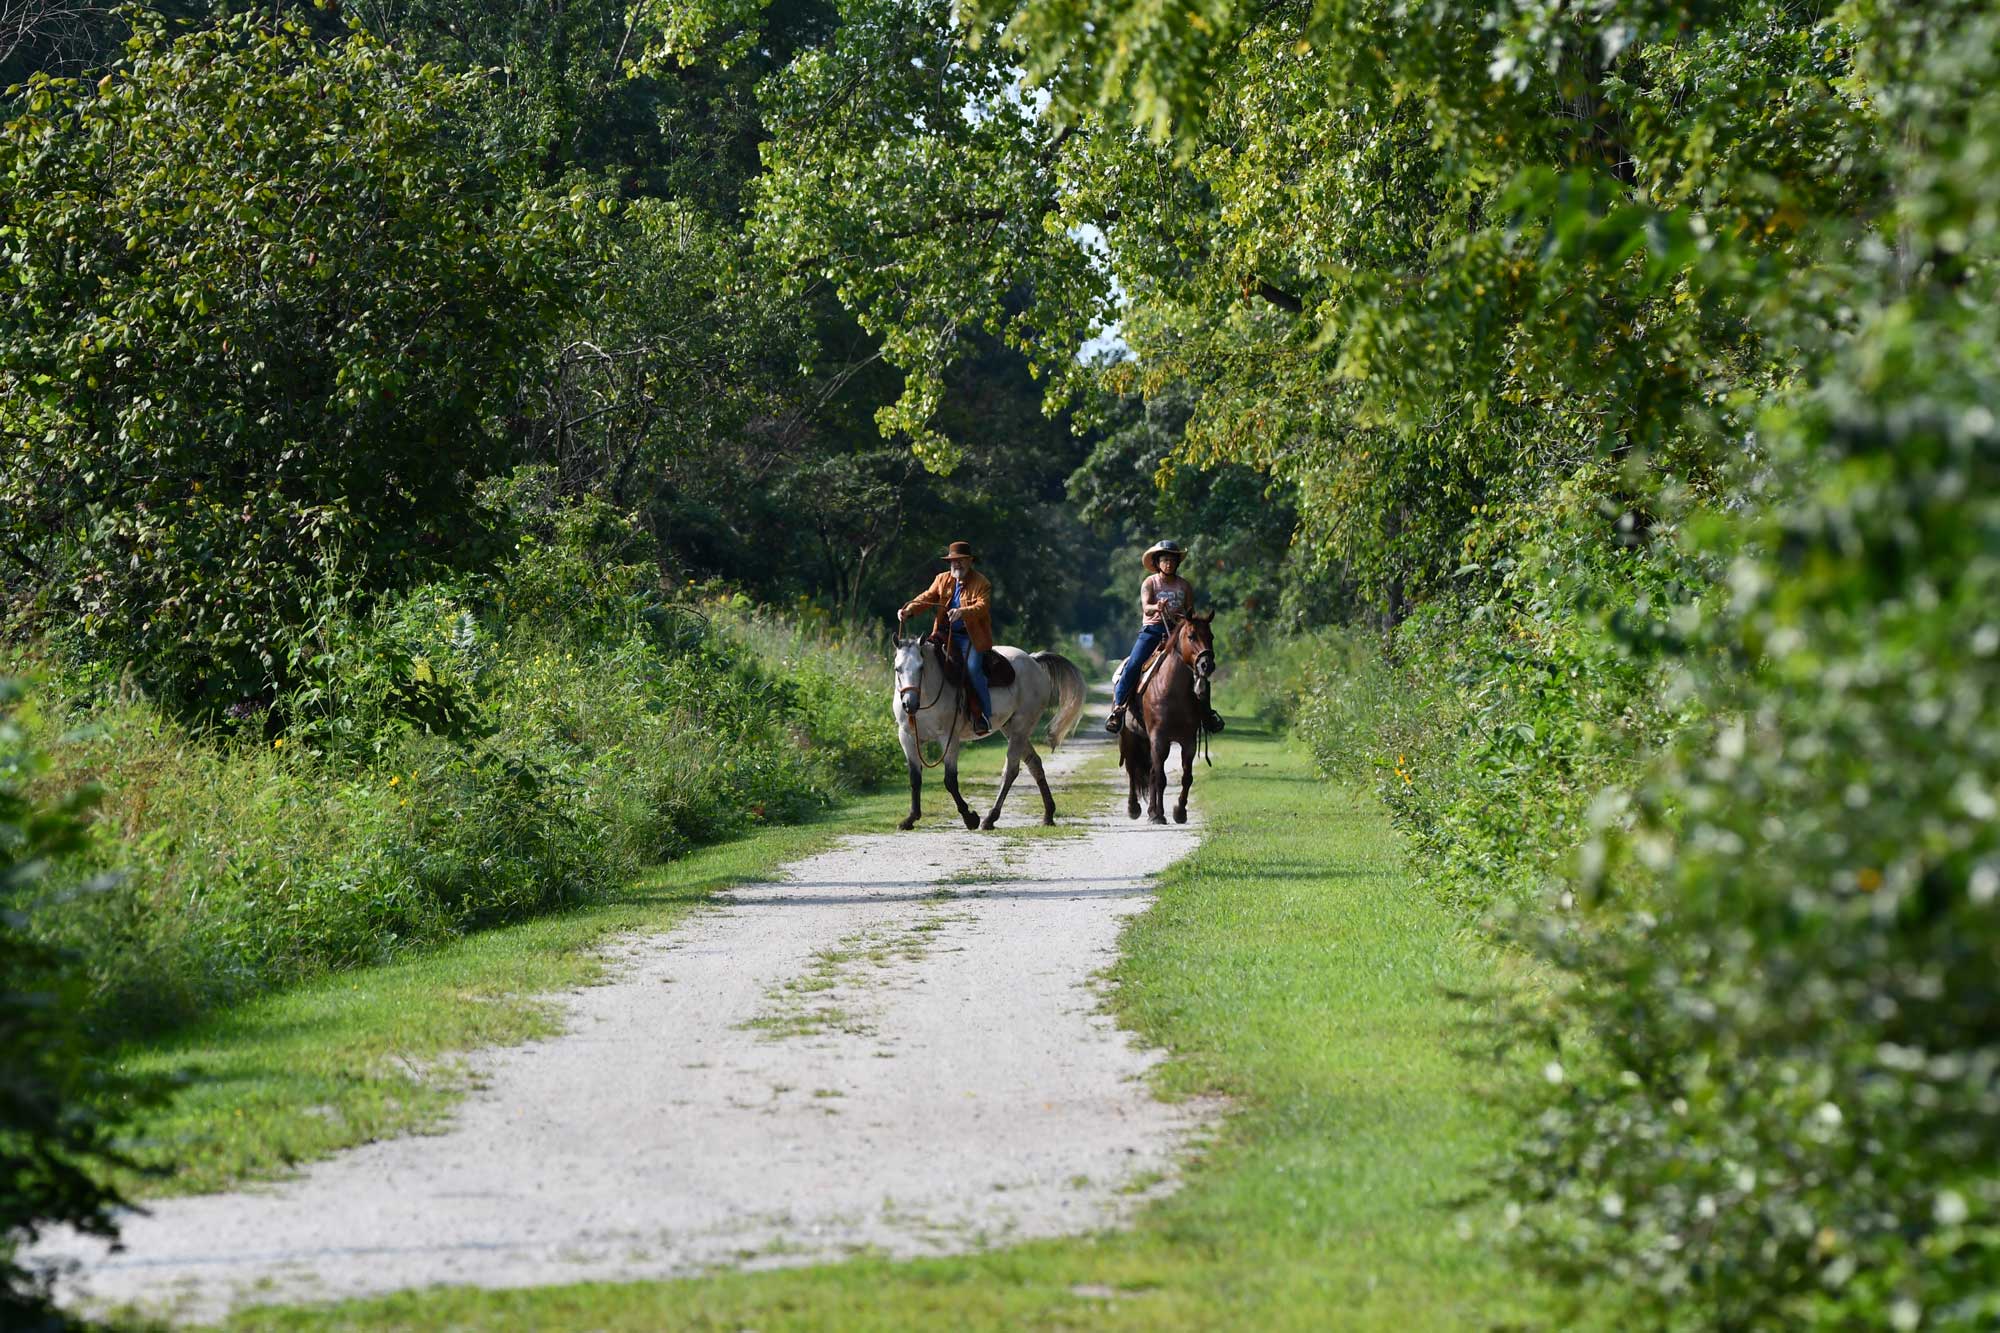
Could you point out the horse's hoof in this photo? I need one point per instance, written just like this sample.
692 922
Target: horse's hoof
1048 821
972 821
1157 819
1180 816
908 824
1131 812
986 822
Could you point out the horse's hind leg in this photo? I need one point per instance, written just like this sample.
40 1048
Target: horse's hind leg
1187 779
1006 785
1041 780
951 785
1134 760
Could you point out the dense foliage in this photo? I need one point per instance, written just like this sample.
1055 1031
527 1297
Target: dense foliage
1634 364
216 435
279 296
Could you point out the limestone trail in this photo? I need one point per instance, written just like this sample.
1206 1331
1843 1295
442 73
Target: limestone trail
898 1047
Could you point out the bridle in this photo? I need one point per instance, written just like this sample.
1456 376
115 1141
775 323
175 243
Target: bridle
1182 641
905 693
1202 663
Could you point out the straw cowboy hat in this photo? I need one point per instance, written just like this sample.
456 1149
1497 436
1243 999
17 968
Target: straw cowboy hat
959 551
1152 557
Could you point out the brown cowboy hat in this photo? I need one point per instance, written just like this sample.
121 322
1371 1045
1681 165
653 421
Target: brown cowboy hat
1152 557
959 550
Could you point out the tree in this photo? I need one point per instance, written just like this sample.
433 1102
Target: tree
262 304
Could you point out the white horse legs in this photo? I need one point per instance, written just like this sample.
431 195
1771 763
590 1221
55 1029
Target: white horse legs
916 797
951 786
1041 781
1018 752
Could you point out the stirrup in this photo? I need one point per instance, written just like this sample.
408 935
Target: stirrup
1115 722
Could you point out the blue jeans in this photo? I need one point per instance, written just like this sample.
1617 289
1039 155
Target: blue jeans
1142 648
975 671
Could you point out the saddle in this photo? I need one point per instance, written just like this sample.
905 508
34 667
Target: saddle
1145 671
999 671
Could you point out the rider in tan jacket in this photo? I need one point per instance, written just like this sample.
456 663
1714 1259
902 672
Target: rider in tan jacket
963 598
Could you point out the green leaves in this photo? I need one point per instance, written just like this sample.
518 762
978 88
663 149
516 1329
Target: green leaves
262 302
59 1104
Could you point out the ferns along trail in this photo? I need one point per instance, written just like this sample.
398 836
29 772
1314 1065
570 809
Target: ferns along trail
460 468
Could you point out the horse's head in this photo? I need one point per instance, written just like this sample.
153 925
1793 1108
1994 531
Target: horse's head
909 672
1196 643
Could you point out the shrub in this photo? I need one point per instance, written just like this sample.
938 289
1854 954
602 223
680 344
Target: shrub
372 826
59 1106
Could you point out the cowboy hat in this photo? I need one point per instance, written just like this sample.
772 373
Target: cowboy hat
1152 557
959 551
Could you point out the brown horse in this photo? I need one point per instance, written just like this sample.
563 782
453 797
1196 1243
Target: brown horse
1165 712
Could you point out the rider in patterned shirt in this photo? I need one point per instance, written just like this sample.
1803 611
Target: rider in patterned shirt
1164 596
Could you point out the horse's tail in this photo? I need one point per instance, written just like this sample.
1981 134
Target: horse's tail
1068 682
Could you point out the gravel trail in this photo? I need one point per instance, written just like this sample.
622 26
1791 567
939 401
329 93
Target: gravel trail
898 1047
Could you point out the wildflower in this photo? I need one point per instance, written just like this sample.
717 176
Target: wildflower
278 744
394 779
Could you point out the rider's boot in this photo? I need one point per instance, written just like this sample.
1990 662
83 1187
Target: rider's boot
1213 722
1115 722
981 724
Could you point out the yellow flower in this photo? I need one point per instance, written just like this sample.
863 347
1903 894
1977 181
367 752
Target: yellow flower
1870 879
278 744
393 780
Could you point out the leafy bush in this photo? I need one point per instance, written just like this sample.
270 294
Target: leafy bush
262 296
1767 731
1489 721
1789 1113
59 1106
461 757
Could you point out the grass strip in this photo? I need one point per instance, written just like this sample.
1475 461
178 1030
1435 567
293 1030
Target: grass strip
1291 965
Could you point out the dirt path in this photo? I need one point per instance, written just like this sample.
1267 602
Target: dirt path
899 1047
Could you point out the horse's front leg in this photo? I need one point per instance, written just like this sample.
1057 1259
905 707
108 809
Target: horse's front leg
1006 785
1187 779
951 784
913 755
1156 796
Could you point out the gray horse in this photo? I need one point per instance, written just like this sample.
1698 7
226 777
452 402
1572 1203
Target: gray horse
928 709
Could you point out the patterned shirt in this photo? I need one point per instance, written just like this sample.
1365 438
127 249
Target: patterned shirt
1160 594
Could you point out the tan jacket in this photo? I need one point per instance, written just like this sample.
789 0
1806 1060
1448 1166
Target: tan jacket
975 600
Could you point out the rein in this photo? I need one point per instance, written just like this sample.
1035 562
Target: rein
910 717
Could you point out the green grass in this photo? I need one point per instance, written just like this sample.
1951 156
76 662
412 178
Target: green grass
1291 965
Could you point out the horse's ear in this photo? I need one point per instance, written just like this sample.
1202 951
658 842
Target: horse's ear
1206 617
